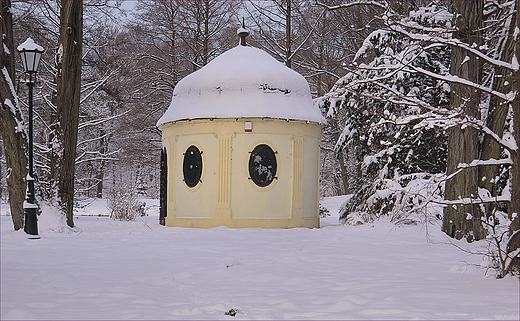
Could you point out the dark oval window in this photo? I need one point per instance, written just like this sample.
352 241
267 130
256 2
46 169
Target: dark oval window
262 165
192 166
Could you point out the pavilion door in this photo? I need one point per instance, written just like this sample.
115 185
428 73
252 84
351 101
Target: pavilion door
163 187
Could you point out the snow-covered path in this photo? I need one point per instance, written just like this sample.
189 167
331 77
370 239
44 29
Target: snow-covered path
141 270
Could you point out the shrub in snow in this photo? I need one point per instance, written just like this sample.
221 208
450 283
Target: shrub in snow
501 258
124 204
407 199
324 212
141 187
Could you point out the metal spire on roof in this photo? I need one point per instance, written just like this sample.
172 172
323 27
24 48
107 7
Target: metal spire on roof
243 33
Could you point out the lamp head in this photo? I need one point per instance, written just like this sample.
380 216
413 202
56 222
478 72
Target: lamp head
30 53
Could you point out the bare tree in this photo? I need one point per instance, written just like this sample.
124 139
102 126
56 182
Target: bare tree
67 101
164 41
14 136
274 24
204 29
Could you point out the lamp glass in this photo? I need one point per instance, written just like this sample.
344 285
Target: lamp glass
24 62
30 60
37 56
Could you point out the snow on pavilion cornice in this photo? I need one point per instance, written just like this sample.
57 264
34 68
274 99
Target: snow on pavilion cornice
244 82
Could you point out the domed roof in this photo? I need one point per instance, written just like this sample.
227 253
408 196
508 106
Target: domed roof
244 82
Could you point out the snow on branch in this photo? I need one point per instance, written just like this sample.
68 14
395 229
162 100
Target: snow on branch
435 30
491 161
513 66
101 82
91 140
455 79
103 158
42 148
474 201
48 102
379 4
439 180
447 119
13 91
99 156
100 121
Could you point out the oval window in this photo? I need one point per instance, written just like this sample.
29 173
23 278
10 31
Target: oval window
192 166
262 165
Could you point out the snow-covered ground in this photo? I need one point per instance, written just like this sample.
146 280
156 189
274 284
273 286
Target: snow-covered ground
140 270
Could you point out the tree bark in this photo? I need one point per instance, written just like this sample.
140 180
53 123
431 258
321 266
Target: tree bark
463 143
197 36
514 209
340 160
68 98
103 148
205 38
498 110
321 53
14 137
288 43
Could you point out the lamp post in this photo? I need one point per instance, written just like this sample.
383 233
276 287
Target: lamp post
30 54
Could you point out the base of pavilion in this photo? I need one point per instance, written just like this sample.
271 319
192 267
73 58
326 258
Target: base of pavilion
243 222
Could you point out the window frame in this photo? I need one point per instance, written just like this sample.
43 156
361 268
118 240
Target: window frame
192 183
272 156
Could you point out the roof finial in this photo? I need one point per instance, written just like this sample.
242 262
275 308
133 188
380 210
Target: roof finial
243 33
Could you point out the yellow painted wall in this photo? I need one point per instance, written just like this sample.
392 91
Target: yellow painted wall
226 195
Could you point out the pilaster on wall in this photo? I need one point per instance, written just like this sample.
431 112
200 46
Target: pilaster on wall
297 183
170 145
223 210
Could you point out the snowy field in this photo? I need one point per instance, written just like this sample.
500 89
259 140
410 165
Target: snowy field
109 269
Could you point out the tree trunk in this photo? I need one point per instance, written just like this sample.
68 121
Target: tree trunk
343 171
321 53
100 173
463 143
14 137
340 160
173 54
498 110
198 33
205 41
288 43
514 209
68 98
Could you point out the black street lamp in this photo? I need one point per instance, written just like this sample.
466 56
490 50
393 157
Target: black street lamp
31 54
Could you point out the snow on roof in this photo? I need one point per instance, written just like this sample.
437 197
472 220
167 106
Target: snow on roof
244 82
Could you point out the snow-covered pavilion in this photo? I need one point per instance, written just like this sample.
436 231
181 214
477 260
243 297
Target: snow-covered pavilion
241 145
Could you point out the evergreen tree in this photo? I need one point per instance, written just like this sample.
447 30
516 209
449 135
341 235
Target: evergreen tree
467 80
382 98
